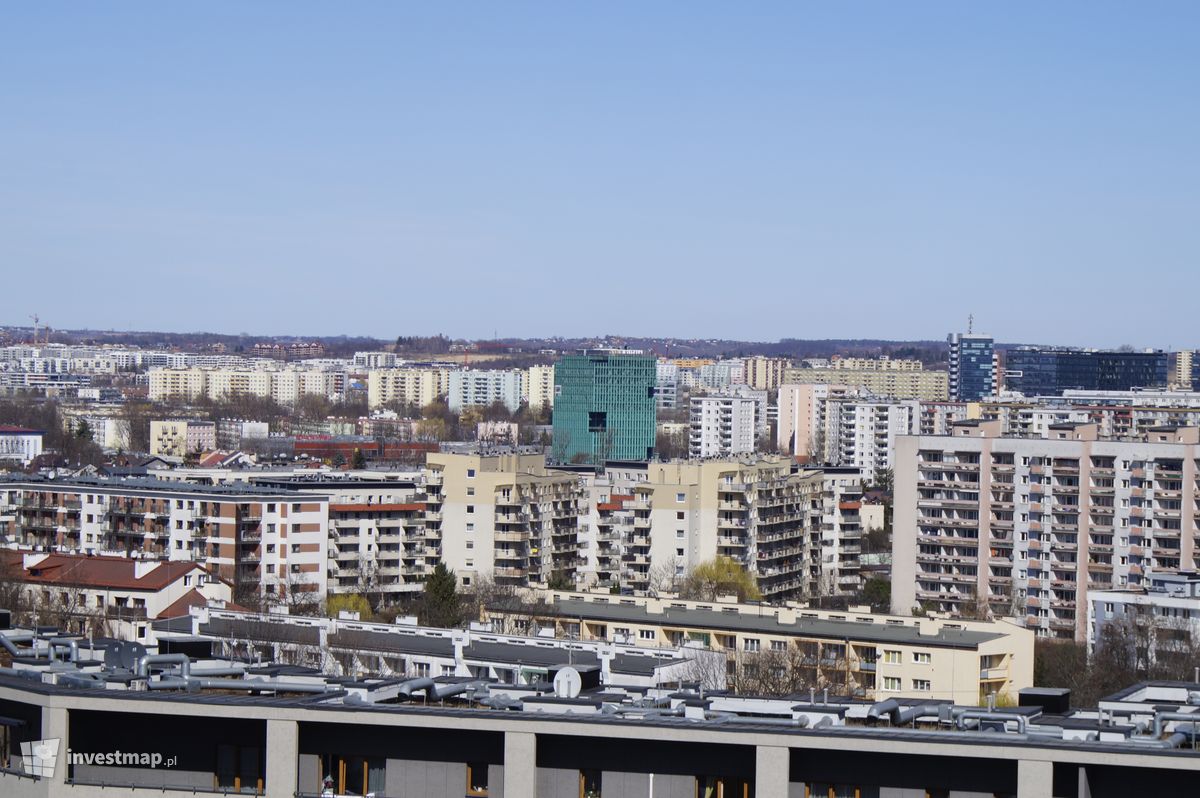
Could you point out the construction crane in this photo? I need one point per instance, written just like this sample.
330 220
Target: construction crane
36 320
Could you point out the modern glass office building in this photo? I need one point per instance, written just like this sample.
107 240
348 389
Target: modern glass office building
1038 371
972 376
604 407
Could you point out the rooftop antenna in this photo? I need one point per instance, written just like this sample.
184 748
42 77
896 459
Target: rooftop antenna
970 324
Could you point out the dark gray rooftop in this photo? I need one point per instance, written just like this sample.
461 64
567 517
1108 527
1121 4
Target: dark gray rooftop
768 624
146 485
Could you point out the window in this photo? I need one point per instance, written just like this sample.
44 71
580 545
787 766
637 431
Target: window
679 497
679 515
750 644
922 657
477 778
471 491
679 533
295 508
891 658
646 634
779 645
470 508
891 683
621 631
470 473
922 685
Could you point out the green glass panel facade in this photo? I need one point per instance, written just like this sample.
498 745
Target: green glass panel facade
604 408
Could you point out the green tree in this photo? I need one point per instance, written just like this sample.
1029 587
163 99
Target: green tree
350 602
878 594
440 604
719 577
360 460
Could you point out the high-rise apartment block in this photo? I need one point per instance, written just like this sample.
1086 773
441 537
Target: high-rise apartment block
604 407
1036 371
972 367
539 387
1027 527
721 426
764 373
284 385
507 517
412 386
480 388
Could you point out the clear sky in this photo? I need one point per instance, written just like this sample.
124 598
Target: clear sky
737 170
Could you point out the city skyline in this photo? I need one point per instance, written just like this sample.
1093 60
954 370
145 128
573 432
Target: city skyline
709 173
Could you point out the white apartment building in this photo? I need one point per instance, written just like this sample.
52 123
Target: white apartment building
1031 527
376 360
862 433
538 387
414 386
20 445
1166 614
666 384
480 388
721 426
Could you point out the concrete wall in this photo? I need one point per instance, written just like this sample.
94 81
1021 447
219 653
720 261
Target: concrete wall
433 779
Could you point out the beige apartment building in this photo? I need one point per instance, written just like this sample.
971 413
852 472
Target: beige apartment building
884 382
505 517
179 438
652 523
285 386
414 386
1026 527
539 387
764 373
883 363
858 652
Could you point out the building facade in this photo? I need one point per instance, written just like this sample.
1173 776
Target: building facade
1030 527
1034 371
480 388
972 367
604 407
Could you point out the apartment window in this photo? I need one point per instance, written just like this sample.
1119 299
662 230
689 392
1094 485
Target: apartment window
779 645
270 508
295 548
891 658
922 685
679 533
471 491
621 631
750 644
270 548
646 634
922 657
679 553
470 563
679 497
470 473
470 544
470 508
891 684
477 778
679 515
470 526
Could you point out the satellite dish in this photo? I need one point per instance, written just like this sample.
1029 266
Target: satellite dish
567 683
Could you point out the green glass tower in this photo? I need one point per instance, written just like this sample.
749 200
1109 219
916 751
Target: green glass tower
604 407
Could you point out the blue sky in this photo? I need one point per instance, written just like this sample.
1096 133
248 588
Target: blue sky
749 171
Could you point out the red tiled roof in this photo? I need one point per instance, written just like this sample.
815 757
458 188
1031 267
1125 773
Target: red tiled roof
6 430
194 598
100 572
